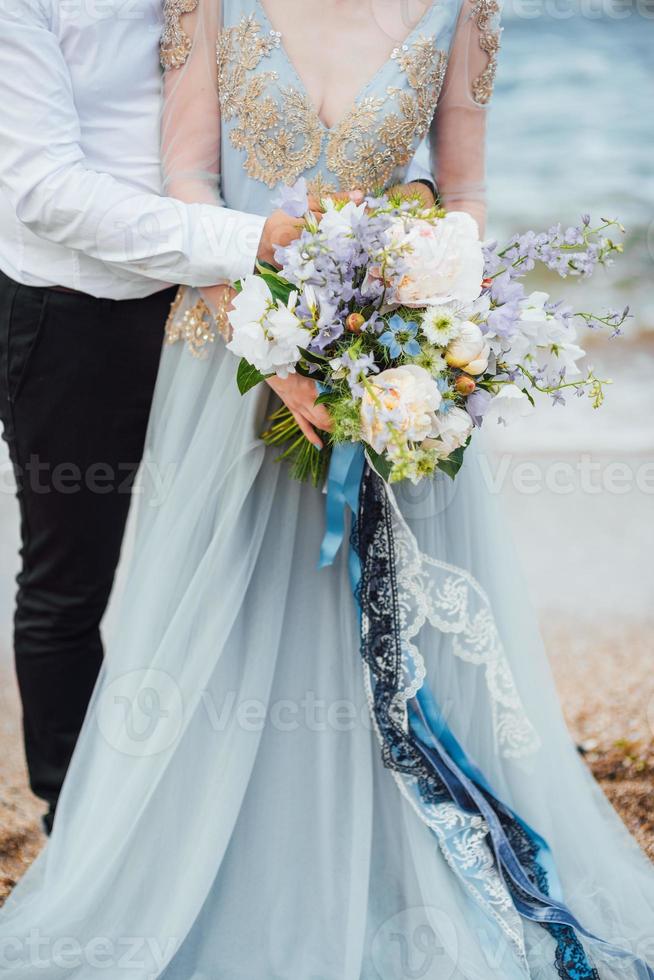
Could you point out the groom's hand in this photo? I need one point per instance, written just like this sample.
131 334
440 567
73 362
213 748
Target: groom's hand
281 229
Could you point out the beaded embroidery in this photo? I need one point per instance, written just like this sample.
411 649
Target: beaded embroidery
175 42
282 137
485 15
198 326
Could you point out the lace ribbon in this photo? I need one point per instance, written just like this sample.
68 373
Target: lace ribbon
504 865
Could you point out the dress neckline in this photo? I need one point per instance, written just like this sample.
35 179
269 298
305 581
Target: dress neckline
363 91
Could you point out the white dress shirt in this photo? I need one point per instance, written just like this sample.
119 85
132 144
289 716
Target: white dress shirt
80 177
80 180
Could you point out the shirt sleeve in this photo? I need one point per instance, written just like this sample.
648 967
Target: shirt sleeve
59 197
420 167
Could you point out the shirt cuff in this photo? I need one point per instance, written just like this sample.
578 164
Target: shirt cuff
234 239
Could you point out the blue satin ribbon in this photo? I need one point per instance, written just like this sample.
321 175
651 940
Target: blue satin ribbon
343 483
464 782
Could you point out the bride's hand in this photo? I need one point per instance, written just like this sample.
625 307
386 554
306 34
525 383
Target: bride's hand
281 229
413 190
299 395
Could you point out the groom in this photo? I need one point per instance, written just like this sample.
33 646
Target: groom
87 248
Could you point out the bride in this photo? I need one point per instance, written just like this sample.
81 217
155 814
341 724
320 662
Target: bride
230 813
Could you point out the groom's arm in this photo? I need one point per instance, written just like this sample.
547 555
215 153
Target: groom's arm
59 197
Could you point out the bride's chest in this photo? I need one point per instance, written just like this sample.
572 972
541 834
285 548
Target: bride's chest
326 96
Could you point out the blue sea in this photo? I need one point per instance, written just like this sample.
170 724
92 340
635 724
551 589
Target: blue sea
572 131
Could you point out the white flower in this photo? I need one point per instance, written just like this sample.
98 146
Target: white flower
266 333
341 221
558 357
451 431
251 304
509 404
469 350
445 261
401 401
544 340
440 325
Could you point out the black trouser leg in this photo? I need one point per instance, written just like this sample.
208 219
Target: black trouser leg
77 377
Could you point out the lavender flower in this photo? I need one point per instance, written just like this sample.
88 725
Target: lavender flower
293 200
477 405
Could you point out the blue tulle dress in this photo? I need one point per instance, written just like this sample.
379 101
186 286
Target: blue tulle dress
352 772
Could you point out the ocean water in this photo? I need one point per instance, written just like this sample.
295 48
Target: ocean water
572 131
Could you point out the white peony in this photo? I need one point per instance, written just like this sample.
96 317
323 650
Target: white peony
402 401
445 261
266 333
451 431
469 349
509 404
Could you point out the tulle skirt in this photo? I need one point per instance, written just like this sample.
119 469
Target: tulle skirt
227 815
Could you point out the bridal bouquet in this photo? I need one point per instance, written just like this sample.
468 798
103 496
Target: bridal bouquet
414 330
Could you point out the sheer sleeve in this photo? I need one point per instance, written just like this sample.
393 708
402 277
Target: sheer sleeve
190 138
458 133
190 143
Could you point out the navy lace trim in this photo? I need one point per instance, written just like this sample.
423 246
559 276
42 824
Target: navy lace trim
372 540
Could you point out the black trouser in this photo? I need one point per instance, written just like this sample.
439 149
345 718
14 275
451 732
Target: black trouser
76 381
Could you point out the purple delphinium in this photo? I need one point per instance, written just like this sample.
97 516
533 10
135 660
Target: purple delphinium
506 297
477 405
294 200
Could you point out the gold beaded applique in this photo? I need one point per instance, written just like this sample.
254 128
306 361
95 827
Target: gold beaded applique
175 43
198 326
280 138
485 15
364 150
282 135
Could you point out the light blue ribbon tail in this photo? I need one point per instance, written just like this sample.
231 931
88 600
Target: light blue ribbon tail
343 483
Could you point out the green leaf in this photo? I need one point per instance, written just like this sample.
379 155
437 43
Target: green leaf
280 289
380 464
247 376
267 267
453 463
313 358
278 286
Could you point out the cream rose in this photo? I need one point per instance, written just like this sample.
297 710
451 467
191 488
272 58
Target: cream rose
402 401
